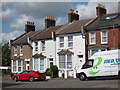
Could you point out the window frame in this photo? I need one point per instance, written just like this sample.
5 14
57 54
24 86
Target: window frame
38 64
17 66
63 64
43 46
21 50
94 37
104 37
70 41
15 51
61 42
36 47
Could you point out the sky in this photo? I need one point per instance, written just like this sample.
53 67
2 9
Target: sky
15 14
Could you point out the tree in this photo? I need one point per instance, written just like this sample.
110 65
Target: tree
6 55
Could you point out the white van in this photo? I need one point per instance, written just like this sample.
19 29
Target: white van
105 63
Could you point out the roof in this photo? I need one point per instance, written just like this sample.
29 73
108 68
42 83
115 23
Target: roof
38 55
47 33
105 21
17 58
63 51
23 38
73 27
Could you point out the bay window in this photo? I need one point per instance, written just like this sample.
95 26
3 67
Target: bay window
17 66
38 64
65 61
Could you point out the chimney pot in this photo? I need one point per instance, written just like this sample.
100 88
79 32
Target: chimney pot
49 21
29 27
73 16
100 10
76 12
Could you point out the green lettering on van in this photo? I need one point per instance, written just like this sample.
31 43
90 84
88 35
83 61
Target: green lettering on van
90 70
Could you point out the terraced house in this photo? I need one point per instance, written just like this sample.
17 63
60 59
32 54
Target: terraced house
21 50
70 45
43 54
102 33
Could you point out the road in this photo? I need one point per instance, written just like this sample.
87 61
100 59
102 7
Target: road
63 83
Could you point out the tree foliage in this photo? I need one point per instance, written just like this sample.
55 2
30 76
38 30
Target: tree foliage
6 55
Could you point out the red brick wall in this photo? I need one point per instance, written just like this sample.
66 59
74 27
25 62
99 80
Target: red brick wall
112 34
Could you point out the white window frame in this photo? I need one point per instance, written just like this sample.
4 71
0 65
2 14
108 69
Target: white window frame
21 50
43 46
17 66
15 51
36 47
66 62
61 42
70 41
94 37
39 64
103 37
43 64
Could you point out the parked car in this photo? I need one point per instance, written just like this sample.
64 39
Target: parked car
29 75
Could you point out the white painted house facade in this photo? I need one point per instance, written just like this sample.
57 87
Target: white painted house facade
43 52
70 48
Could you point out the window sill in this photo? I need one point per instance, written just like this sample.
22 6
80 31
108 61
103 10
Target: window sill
70 47
21 54
92 43
15 54
104 42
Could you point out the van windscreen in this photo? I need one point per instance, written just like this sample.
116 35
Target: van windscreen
88 64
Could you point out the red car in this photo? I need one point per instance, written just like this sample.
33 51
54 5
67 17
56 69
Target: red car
29 75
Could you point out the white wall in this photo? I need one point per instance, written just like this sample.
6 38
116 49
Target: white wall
49 51
78 48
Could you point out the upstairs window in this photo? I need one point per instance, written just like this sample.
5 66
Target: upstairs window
92 38
15 50
61 41
43 45
21 50
103 37
36 46
70 41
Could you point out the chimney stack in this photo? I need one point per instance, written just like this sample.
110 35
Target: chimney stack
29 26
49 21
72 15
100 10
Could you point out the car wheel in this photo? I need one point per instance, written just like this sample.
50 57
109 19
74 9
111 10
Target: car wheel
15 79
31 79
82 77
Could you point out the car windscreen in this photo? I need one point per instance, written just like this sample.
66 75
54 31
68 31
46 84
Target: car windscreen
88 64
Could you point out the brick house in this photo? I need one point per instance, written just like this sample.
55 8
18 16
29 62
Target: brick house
21 49
102 33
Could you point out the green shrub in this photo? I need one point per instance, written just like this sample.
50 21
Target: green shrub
54 70
48 73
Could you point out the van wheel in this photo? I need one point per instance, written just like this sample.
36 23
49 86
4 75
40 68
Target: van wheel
82 77
31 79
15 79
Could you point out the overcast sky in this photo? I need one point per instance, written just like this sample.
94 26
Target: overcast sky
15 14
